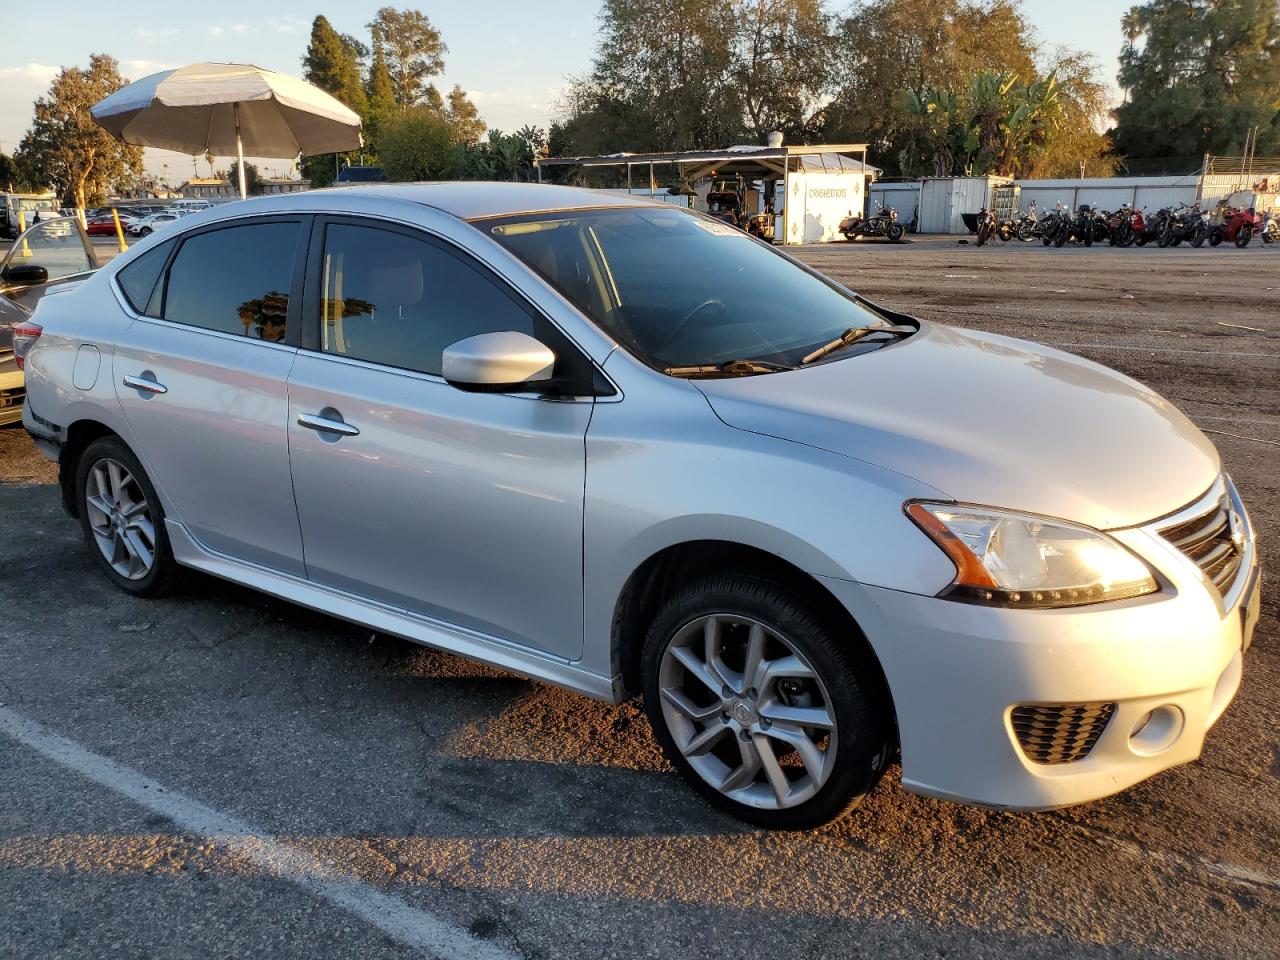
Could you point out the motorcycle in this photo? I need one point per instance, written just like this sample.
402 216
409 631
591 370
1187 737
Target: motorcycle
1126 224
883 224
1201 229
1183 223
1027 227
1153 227
1056 225
1238 227
1269 233
1092 226
986 225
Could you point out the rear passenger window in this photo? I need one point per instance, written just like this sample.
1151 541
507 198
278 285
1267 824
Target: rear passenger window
138 280
235 280
391 299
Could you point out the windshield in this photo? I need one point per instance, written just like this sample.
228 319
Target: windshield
677 289
29 204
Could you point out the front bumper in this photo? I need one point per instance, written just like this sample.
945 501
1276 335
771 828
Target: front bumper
956 671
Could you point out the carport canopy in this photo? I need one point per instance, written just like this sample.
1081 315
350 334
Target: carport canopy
768 162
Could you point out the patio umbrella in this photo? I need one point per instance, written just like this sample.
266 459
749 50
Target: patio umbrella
226 108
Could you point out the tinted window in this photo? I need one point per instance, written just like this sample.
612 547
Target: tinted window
235 280
138 279
392 299
678 289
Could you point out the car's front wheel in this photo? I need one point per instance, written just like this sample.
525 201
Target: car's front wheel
763 705
122 520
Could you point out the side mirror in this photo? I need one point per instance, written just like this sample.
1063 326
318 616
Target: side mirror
25 275
498 361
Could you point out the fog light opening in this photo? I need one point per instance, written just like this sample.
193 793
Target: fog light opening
1156 730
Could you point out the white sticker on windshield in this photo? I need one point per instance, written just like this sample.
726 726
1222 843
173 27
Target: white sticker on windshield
719 228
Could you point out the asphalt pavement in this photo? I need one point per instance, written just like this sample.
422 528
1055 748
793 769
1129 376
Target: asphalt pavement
220 774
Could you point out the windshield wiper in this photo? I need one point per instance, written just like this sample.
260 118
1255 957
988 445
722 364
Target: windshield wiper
852 336
730 368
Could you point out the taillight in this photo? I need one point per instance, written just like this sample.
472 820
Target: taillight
24 337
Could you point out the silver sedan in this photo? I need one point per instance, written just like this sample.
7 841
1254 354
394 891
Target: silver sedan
625 448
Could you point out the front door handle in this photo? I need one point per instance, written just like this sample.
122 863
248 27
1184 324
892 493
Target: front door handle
325 425
147 386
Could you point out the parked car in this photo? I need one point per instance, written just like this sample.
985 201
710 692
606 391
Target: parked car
620 446
151 223
104 224
51 256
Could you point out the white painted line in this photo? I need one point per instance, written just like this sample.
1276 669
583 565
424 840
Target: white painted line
412 927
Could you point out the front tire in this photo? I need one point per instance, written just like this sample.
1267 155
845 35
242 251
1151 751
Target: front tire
122 520
1243 236
894 232
766 708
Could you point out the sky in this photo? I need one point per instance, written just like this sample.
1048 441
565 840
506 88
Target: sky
513 57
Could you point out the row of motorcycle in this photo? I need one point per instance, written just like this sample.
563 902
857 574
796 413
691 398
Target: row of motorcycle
1128 226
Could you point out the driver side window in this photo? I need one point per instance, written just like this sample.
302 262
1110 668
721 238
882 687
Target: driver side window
392 299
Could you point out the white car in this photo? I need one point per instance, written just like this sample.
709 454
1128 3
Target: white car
150 224
623 447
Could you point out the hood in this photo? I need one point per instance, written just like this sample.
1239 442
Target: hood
988 420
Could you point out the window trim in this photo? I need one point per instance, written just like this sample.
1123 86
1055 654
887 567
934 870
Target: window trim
172 243
293 317
601 387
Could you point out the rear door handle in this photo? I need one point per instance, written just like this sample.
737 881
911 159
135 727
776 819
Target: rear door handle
325 425
147 386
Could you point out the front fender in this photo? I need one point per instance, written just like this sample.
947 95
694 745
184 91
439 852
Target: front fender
667 471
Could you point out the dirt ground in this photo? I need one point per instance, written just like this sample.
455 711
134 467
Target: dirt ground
547 825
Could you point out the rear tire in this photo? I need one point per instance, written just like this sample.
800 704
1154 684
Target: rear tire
735 731
122 520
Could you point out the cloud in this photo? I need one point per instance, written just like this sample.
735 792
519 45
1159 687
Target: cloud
508 109
150 36
287 24
30 73
215 31
136 69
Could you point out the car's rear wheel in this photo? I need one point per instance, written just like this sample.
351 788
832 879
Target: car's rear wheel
763 706
122 519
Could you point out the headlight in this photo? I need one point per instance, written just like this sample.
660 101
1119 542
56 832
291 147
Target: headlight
1016 560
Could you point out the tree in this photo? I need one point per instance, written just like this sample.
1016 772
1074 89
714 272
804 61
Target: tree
882 48
994 126
783 65
1077 138
416 144
332 64
661 79
65 148
11 177
252 180
413 50
463 117
1198 75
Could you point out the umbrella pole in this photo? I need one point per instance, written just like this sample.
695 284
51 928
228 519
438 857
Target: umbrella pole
239 152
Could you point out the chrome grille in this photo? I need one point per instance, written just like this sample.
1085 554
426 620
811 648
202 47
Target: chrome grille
1212 542
1060 733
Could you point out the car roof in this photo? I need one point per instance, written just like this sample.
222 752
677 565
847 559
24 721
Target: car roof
466 200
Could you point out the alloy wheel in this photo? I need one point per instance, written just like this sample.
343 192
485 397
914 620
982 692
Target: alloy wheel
121 519
747 711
